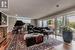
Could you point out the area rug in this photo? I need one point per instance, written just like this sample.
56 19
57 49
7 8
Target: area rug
47 44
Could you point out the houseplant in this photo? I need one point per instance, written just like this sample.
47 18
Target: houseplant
49 22
67 34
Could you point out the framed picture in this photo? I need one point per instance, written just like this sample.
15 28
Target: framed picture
3 19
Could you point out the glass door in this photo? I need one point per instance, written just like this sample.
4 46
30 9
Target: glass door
59 22
72 24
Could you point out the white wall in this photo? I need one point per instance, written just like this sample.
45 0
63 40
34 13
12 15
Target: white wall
11 22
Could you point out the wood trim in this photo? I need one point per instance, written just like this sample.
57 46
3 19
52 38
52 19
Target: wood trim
3 25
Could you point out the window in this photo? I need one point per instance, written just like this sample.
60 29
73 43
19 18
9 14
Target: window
40 23
45 23
25 20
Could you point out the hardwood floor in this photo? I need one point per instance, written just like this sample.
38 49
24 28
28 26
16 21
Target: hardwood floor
65 46
62 46
6 42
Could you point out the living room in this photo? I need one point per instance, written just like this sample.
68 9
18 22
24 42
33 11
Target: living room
37 25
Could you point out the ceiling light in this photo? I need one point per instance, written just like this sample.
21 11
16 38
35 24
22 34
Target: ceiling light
57 5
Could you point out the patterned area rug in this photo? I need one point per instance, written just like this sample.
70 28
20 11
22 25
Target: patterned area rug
47 44
18 44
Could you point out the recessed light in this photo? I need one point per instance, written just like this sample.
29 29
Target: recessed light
57 5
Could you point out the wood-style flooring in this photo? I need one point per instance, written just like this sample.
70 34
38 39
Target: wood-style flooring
62 46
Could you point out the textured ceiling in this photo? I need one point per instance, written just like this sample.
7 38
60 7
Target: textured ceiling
37 8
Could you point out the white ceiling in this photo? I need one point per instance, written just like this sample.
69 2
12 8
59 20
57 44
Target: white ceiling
37 8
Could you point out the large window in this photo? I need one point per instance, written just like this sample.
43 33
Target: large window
71 21
45 23
25 20
59 23
40 23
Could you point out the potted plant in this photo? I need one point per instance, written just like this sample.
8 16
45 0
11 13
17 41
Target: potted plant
49 22
67 35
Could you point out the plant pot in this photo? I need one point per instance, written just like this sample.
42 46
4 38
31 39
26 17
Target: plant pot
67 36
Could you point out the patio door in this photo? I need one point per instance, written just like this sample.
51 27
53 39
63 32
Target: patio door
60 21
